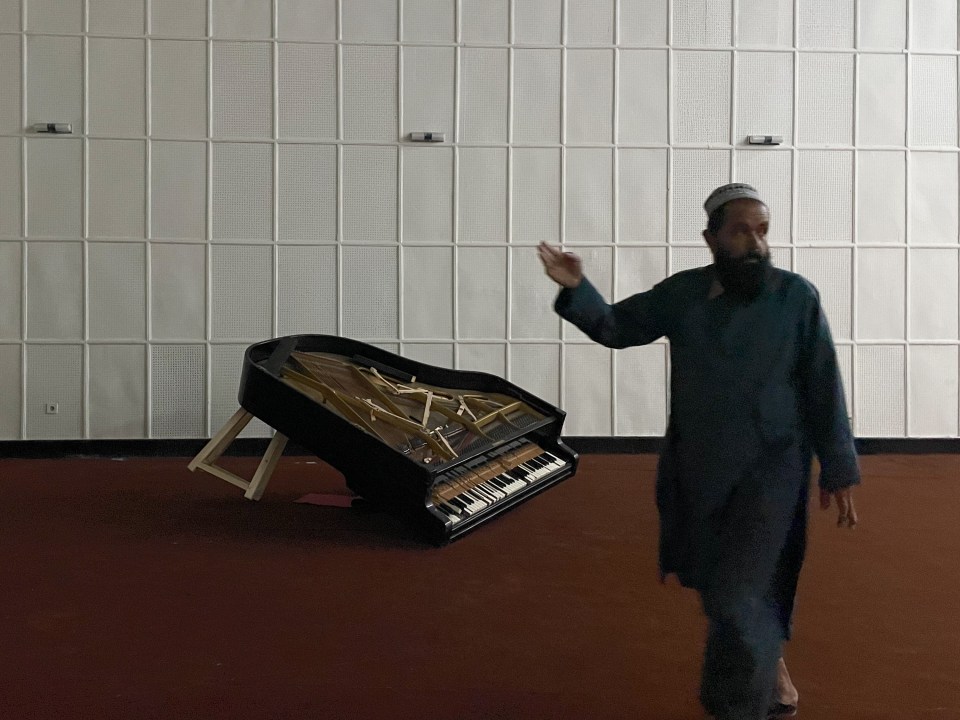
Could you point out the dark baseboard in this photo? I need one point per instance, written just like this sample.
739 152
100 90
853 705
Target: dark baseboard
253 447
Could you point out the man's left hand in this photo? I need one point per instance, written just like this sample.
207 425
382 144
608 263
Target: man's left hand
844 498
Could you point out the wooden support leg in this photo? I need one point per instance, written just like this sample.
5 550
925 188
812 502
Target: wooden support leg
266 467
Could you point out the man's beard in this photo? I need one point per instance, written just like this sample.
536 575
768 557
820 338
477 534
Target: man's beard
745 277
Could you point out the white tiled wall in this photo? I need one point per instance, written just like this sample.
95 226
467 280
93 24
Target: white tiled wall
240 170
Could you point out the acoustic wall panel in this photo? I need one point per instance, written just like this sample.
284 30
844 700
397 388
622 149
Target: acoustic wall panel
117 87
845 362
536 195
881 297
598 266
933 25
369 194
118 391
178 391
482 292
481 357
370 292
934 298
307 206
643 23
641 391
55 306
178 88
825 98
178 184
427 290
428 78
307 90
883 24
643 91
226 365
765 23
55 80
689 258
589 196
178 291
764 95
537 22
10 17
428 196
242 89
695 175
306 290
933 99
484 94
771 173
11 290
116 17
428 21
11 66
933 198
881 100
485 21
370 93
54 375
536 368
117 192
436 354
782 257
701 87
531 298
587 389
637 270
482 198
642 185
241 292
880 393
117 291
55 16
826 23
589 96
881 197
830 271
369 20
12 397
307 20
702 22
242 191
825 196
590 22
933 391
11 187
536 96
242 18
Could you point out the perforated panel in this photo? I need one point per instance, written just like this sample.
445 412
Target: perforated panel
54 80
883 23
482 293
55 16
11 289
10 19
484 93
702 22
536 368
598 266
179 190
185 18
881 201
482 195
55 291
881 298
826 23
589 96
307 19
933 198
826 98
765 22
307 91
242 191
369 194
427 89
117 77
590 22
536 96
933 25
639 269
482 358
643 23
642 106
226 364
537 21
117 179
701 97
830 270
695 174
427 194
54 375
531 298
178 391
307 290
117 291
485 21
764 95
116 17
643 196
308 193
11 188
242 18
933 294
428 21
880 391
370 93
118 391
771 173
53 187
436 354
10 399
242 292
536 195
781 257
242 89
933 101
370 283
178 282
587 390
689 258
589 196
10 85
641 391
845 362
178 86
369 20
826 196
933 391
427 289
881 100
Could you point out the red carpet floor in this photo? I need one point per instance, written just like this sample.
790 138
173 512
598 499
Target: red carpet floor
136 589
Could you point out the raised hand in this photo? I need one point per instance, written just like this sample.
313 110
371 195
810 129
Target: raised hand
564 268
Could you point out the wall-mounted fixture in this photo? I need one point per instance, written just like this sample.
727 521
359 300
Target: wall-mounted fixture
427 136
764 139
53 128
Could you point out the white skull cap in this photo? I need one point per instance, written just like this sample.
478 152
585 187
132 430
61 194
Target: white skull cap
726 193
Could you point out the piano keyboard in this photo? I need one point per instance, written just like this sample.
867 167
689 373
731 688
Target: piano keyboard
485 481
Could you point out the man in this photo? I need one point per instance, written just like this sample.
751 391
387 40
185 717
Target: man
755 390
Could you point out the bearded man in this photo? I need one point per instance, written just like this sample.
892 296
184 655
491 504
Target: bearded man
755 392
